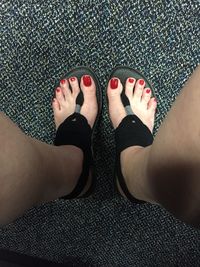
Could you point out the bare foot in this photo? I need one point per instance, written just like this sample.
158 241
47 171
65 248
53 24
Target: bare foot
140 100
142 105
64 105
65 102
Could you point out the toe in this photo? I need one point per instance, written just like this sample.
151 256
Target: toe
87 85
57 111
55 106
139 87
89 90
152 105
130 83
116 108
146 96
65 88
59 95
75 86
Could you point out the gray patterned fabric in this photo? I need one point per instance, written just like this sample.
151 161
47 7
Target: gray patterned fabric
40 42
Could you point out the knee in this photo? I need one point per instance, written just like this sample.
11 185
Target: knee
175 188
9 213
192 218
5 213
9 207
5 218
4 222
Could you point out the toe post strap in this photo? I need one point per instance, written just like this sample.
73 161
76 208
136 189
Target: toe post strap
76 131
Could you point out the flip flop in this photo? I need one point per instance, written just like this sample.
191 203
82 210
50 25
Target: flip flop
131 131
76 131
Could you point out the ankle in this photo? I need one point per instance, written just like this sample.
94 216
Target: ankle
71 158
133 164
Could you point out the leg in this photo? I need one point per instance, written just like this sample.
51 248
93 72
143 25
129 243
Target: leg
167 172
33 172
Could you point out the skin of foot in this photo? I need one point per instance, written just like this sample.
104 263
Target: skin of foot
64 104
143 106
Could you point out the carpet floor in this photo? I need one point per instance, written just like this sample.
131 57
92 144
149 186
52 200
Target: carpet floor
40 42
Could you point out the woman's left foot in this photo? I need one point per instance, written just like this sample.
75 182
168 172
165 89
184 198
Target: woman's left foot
144 107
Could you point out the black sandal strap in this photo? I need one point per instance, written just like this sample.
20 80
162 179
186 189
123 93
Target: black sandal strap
130 132
76 131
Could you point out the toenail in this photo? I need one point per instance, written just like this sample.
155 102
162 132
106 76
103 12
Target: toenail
58 90
141 82
62 81
114 83
148 91
131 80
155 100
72 79
87 80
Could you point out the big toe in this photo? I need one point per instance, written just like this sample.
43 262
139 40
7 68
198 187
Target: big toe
116 109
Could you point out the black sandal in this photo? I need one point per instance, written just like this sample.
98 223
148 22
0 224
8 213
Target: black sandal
131 131
76 131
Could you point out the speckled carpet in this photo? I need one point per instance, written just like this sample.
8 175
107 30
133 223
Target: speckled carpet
40 42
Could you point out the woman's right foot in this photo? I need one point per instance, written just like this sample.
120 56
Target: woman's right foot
142 105
64 105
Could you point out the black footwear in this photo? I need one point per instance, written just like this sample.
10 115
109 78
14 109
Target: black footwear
76 131
131 131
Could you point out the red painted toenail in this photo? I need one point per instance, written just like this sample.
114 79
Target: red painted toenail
141 82
62 81
148 91
131 80
72 79
114 83
58 90
87 80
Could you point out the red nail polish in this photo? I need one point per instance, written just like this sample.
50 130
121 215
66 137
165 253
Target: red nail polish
148 91
114 83
72 79
58 90
131 80
141 82
62 81
87 80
